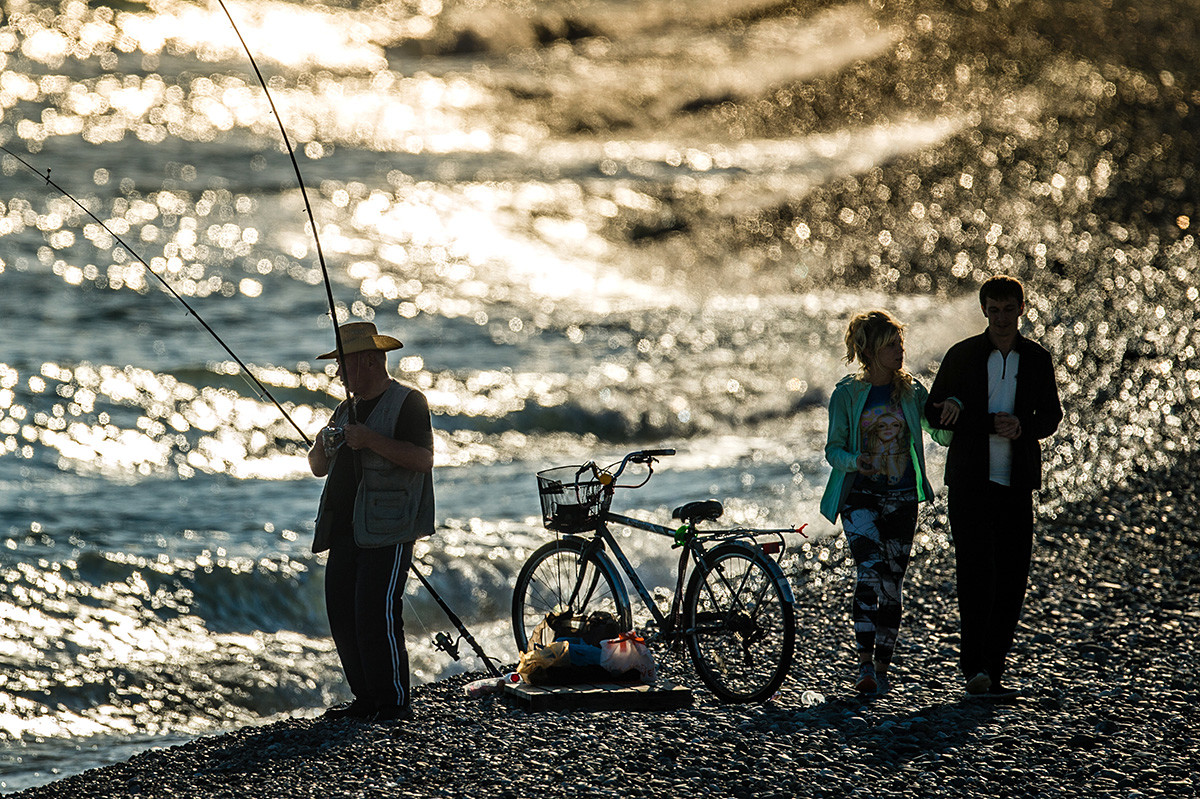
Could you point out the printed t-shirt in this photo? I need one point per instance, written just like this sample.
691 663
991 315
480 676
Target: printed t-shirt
886 441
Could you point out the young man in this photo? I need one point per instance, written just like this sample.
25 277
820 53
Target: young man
378 500
1005 387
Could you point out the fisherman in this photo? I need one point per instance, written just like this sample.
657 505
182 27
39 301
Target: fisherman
377 458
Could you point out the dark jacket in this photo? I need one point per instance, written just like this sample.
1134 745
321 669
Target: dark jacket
964 376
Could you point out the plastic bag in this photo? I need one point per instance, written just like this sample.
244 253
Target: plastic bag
540 658
627 652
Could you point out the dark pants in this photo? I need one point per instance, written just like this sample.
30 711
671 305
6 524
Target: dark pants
992 528
364 597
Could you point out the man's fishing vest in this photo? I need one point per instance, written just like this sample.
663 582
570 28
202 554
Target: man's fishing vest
393 505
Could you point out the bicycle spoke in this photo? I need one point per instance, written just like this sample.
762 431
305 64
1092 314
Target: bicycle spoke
574 600
559 577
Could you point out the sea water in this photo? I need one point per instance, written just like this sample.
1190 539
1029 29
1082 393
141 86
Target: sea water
596 228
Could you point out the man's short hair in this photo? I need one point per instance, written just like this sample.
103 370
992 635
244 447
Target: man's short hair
1001 287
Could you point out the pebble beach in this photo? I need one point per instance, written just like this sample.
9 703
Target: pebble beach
1104 660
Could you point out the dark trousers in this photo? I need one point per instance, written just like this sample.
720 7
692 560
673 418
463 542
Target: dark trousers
364 593
992 528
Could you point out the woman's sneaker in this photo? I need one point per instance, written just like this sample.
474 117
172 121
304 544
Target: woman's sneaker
882 683
866 684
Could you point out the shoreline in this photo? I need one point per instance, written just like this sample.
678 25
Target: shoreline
1103 658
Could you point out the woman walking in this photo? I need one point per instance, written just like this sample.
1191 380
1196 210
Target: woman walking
877 452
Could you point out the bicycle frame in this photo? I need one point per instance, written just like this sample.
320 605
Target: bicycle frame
693 546
666 623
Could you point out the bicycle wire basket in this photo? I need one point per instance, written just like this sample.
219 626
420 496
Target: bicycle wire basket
571 502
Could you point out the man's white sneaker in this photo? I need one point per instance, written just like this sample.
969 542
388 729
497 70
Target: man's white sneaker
979 684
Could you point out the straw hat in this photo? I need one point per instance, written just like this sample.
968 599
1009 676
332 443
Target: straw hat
360 337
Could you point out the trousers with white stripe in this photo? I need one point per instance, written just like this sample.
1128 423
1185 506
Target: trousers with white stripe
364 597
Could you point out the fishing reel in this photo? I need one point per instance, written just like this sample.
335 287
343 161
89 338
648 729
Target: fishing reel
332 437
445 643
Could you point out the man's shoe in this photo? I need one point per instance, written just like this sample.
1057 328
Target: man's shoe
979 684
395 713
358 709
866 683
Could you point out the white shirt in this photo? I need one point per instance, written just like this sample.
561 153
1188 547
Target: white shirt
1002 398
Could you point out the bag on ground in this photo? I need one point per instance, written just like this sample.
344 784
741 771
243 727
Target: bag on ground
627 652
540 658
590 629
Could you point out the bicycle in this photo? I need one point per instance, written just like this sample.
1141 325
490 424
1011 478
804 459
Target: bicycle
735 617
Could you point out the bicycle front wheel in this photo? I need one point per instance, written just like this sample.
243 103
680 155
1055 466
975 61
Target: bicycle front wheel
566 574
739 623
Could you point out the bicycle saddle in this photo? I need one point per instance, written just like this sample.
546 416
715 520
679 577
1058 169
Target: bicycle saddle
706 510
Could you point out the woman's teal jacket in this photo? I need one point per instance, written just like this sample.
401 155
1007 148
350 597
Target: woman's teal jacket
843 444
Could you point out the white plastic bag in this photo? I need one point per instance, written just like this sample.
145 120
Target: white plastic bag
625 652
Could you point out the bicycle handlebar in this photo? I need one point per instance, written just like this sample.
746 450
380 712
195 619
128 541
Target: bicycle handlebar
647 456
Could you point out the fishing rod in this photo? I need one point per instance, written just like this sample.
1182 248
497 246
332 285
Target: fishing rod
263 391
442 641
337 333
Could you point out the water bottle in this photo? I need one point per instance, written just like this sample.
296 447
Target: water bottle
490 685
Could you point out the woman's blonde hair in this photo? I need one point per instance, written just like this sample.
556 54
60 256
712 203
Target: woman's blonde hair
867 334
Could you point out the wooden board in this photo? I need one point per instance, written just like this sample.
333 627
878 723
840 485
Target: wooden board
600 696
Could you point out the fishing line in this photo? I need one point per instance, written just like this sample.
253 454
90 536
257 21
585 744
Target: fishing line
264 392
337 334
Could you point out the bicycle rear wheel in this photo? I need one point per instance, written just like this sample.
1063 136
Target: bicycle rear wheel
566 574
739 623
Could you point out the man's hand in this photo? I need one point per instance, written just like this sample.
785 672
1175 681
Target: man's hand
404 454
318 457
359 436
950 410
1008 426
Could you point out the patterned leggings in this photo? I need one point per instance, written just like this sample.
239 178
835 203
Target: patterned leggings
879 530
